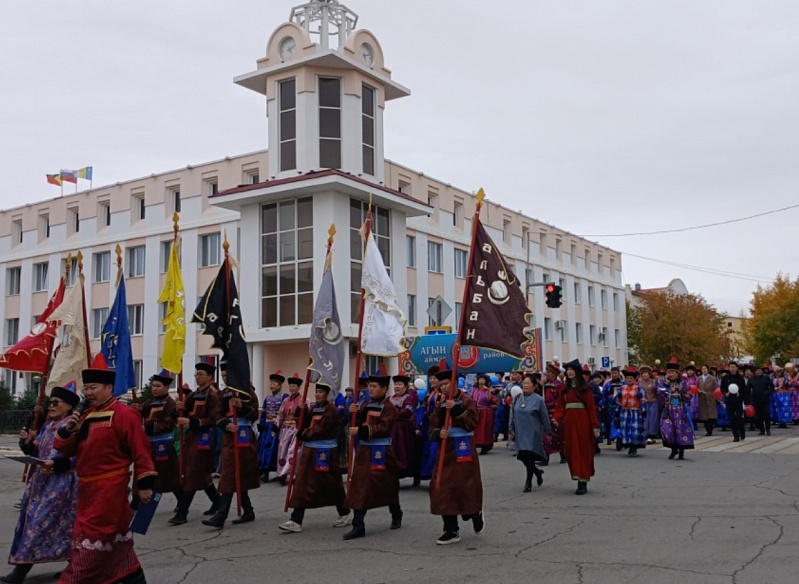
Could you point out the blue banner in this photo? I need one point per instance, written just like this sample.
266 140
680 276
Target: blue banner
115 343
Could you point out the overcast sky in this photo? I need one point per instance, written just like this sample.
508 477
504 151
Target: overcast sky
598 117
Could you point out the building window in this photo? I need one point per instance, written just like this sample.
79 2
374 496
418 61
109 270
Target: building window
287 263
40 276
381 229
368 128
99 318
507 231
211 186
12 331
573 254
251 176
545 278
577 293
616 301
563 327
210 250
287 132
404 187
592 334
616 338
73 220
104 214
72 276
525 236
434 253
411 310
458 312
173 199
461 257
457 215
44 226
558 249
590 296
135 261
102 266
578 332
10 380
135 319
137 372
16 231
603 336
603 299
13 277
330 122
411 251
547 328
137 207
563 292
162 308
587 259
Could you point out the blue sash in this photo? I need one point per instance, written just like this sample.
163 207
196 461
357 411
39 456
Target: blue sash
160 444
204 439
463 444
243 434
377 447
322 450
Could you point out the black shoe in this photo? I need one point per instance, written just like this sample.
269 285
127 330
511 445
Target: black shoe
17 575
783 426
528 486
245 518
681 456
539 477
396 522
736 439
478 521
284 480
217 521
768 432
178 519
265 477
544 463
212 511
582 488
761 433
417 481
672 455
355 533
448 538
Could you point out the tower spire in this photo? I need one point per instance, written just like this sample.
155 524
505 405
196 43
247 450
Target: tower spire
325 20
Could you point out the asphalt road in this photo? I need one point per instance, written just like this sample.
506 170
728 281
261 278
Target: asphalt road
729 513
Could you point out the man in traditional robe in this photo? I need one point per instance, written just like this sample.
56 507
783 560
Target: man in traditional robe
267 426
287 422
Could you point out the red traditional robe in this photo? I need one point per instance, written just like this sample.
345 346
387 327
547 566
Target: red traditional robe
576 414
110 438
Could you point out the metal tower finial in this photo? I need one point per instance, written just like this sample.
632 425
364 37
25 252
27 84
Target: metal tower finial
325 19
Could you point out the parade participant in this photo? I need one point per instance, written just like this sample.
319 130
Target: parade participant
707 385
241 405
341 439
528 428
760 389
287 422
458 488
735 411
595 384
651 408
502 421
201 412
748 374
159 415
690 379
404 436
609 408
375 479
267 426
106 439
576 413
781 400
318 480
732 376
553 389
792 382
429 447
486 404
631 419
676 429
47 510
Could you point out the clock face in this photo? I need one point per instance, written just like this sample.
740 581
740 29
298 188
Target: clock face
367 53
287 48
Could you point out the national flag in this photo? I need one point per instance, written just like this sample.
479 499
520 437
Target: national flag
175 315
54 179
32 353
496 313
85 172
69 176
72 356
115 343
326 346
219 313
383 320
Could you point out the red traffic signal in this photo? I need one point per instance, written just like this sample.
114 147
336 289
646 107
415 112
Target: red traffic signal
553 295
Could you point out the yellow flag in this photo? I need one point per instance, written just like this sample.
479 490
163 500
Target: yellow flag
175 317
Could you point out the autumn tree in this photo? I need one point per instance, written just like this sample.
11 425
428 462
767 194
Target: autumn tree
684 326
773 329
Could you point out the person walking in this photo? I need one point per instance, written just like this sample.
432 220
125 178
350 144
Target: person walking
529 426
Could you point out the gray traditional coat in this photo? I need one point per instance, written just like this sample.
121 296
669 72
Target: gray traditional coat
529 423
707 401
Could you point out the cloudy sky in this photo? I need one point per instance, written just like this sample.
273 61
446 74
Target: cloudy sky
599 117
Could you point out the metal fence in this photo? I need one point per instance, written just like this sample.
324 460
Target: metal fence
11 421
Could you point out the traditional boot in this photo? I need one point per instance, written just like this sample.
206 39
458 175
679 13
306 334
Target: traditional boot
218 520
582 488
17 576
211 493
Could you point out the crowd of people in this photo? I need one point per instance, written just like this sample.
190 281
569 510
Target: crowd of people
350 450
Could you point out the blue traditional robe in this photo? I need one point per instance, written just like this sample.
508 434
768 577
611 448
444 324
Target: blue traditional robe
268 438
676 428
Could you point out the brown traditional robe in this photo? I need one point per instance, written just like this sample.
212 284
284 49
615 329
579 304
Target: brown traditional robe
158 417
371 488
318 479
248 454
202 410
460 489
707 401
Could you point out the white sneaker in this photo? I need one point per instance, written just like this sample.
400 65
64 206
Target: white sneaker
344 520
291 526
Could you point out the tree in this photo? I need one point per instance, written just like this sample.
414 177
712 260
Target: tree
773 329
27 400
685 326
6 401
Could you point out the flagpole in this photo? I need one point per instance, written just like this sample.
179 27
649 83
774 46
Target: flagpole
82 279
233 413
181 412
456 349
331 234
359 358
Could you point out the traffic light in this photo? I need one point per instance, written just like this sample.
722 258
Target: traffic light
553 296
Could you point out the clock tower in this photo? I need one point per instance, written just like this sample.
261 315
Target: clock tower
326 87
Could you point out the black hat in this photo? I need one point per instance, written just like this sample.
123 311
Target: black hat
444 371
402 379
363 380
381 376
99 372
574 365
277 376
64 394
323 387
207 367
295 379
672 365
164 377
615 368
596 374
223 365
690 367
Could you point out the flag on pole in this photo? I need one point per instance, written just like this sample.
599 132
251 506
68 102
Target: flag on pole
326 346
496 313
115 343
175 315
32 354
85 172
72 355
54 179
219 313
69 176
383 320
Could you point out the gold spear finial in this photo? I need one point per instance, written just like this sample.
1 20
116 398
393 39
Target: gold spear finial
176 223
118 251
68 265
481 194
80 261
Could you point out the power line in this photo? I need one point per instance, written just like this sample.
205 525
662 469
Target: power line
683 229
712 271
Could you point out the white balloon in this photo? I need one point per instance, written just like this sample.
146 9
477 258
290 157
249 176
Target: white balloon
419 383
733 389
515 391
